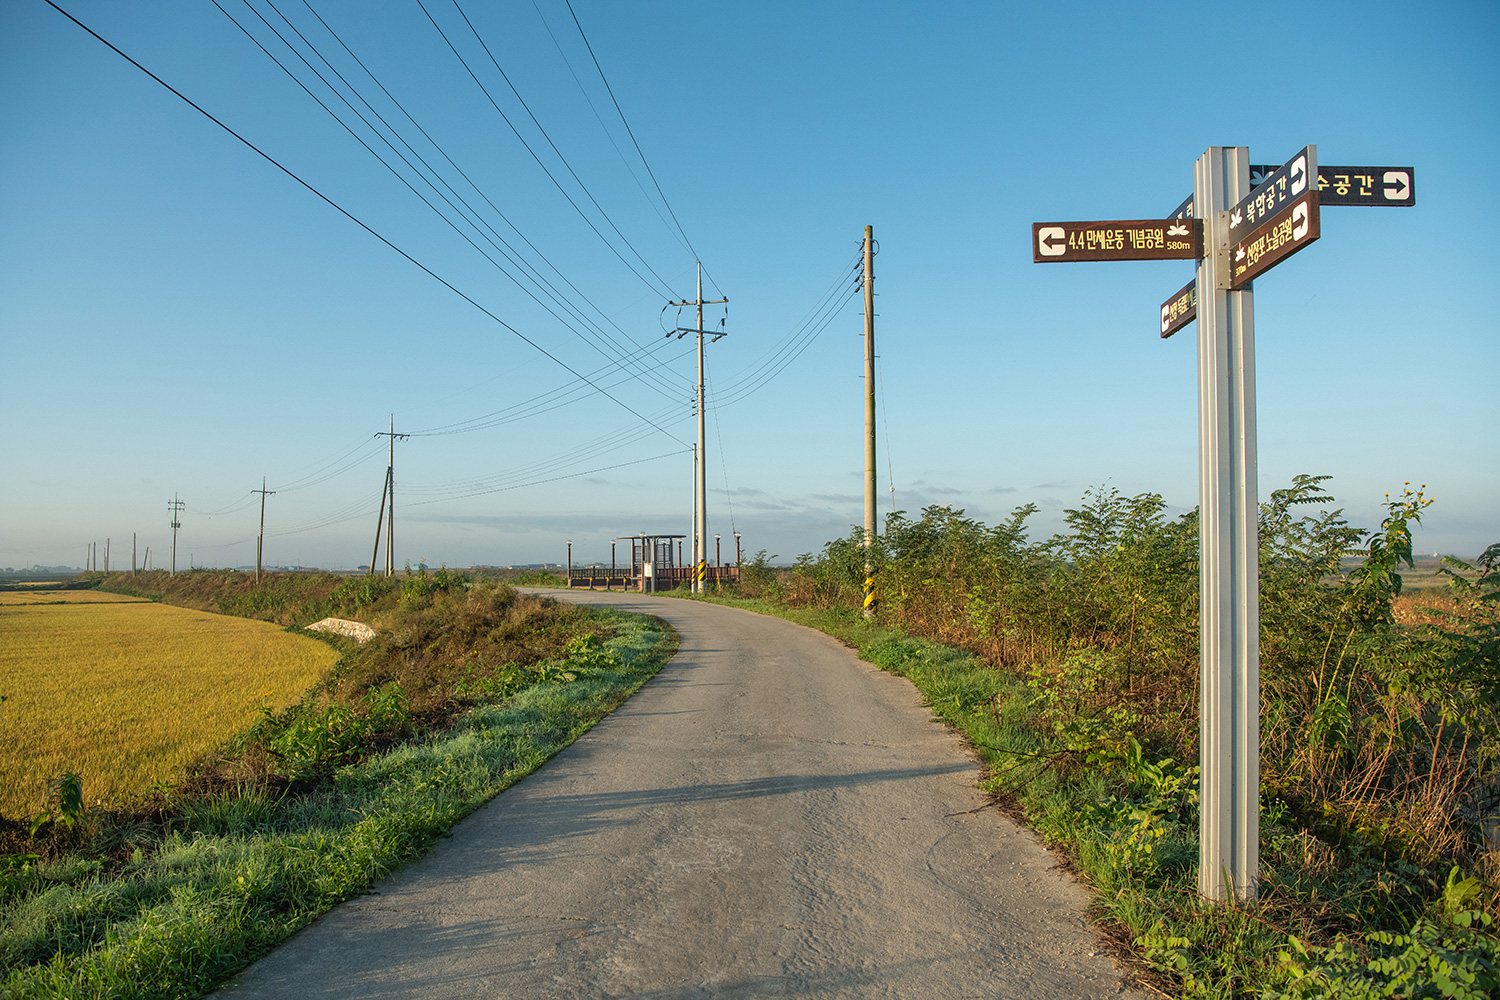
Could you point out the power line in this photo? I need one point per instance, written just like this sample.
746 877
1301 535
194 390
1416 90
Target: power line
550 176
352 218
457 6
503 247
514 254
629 131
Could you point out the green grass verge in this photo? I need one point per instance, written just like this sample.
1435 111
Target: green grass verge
1129 825
244 873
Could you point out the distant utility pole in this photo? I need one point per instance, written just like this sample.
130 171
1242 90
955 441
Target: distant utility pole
132 553
260 540
869 605
106 555
388 504
175 505
700 493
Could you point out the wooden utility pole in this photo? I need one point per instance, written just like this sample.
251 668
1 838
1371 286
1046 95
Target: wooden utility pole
869 596
260 540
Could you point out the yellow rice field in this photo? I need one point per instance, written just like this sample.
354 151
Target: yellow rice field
126 692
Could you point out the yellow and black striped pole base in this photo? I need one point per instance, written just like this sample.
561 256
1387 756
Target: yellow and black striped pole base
870 602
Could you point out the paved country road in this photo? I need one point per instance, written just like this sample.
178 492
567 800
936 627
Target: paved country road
768 817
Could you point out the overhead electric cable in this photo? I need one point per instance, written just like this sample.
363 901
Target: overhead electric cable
442 152
507 251
676 234
352 218
482 44
631 132
538 159
554 479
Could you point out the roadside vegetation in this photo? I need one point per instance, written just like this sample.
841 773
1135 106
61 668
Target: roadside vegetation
467 687
1071 663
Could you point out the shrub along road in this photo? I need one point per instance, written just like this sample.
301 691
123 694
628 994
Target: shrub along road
767 817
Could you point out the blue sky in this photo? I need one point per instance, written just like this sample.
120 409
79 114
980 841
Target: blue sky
181 318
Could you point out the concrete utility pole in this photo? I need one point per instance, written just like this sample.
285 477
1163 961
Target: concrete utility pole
106 555
1229 599
693 533
260 540
869 597
132 553
388 503
700 479
175 505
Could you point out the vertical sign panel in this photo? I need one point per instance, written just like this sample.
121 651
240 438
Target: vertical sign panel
1180 310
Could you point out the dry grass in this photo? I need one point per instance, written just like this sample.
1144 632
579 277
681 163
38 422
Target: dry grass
126 693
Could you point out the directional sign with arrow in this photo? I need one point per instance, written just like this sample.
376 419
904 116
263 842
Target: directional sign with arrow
1180 310
1275 191
1130 239
1383 187
1274 240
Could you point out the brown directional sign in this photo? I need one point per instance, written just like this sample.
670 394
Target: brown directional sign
1381 187
1180 310
1132 239
1275 191
1274 240
1390 187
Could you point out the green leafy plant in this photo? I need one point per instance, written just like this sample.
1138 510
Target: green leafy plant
62 803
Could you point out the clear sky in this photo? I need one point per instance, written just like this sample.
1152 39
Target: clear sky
180 317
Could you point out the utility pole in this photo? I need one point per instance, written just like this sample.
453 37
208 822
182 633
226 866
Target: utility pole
380 519
106 555
389 494
175 505
700 491
869 601
132 553
260 540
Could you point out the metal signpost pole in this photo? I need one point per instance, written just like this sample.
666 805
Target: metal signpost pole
1229 607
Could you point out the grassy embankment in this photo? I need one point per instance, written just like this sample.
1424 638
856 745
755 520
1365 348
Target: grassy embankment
1071 665
468 687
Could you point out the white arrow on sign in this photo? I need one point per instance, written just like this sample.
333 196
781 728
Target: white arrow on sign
1397 185
1044 241
1164 321
1299 221
1299 175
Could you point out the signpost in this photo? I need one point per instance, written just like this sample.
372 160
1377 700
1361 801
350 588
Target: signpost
1240 223
1377 187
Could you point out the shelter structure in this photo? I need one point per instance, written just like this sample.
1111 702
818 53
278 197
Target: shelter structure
652 565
